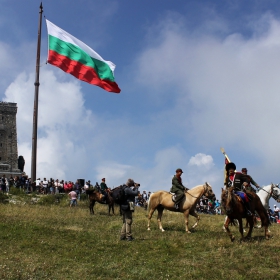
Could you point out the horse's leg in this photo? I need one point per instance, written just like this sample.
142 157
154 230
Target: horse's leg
113 208
193 213
226 226
250 221
241 228
186 215
160 211
91 204
152 210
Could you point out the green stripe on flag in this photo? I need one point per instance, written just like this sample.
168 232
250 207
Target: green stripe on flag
77 54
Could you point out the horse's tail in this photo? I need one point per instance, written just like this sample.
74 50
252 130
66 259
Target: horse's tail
149 201
154 200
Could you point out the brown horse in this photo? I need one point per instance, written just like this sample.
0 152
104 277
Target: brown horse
235 209
95 196
163 200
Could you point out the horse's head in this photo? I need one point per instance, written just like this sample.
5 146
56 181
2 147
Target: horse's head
226 199
208 192
275 192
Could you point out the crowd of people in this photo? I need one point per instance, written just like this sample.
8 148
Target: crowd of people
57 186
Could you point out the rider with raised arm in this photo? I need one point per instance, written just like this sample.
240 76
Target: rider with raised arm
239 182
178 188
252 182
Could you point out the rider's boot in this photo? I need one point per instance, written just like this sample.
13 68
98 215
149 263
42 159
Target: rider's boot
176 206
248 210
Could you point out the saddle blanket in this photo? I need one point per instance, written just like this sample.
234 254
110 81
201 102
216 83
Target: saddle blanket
243 196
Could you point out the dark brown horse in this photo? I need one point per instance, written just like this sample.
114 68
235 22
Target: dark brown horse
235 209
95 196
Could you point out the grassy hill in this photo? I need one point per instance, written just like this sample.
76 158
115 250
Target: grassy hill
56 242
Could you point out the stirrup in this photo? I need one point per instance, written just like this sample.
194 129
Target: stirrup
249 213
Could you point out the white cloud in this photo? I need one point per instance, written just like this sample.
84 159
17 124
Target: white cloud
202 160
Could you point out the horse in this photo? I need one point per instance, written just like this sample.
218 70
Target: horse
235 209
266 192
161 200
95 196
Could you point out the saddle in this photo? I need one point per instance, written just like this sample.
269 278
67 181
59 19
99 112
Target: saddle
173 196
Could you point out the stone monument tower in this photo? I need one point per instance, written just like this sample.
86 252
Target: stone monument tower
8 139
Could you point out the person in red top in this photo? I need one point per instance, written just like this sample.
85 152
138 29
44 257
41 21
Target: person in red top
239 181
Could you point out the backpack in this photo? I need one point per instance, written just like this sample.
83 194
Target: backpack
119 195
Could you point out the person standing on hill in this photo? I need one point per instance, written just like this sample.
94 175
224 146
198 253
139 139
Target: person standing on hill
73 197
127 207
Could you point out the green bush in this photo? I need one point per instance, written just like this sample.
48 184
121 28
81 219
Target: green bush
16 191
3 197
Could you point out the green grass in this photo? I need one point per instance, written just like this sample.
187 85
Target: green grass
58 242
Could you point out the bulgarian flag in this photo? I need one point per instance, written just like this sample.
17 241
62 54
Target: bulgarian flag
76 58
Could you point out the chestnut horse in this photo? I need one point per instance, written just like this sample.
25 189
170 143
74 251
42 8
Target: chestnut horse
163 200
235 209
95 196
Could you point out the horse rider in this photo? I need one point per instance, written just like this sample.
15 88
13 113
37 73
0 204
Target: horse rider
127 207
252 182
104 189
239 181
178 188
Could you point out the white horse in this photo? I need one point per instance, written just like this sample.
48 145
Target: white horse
265 193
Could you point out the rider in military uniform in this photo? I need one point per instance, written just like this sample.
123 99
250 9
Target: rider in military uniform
104 189
239 181
178 188
252 182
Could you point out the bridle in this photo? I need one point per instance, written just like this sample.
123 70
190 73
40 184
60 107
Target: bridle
205 187
272 192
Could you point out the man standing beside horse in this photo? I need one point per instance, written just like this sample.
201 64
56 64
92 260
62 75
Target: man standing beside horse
178 188
127 207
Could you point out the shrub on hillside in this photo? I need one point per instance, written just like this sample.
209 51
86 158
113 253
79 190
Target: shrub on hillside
16 191
3 197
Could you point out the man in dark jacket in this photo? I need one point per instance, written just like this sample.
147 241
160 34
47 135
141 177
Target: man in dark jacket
239 181
131 190
252 182
104 189
178 188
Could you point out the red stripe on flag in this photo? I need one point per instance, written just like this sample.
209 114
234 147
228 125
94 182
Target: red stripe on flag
81 72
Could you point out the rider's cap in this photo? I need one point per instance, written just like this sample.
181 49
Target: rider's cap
230 165
244 169
179 170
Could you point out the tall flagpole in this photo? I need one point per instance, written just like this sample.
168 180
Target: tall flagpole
36 97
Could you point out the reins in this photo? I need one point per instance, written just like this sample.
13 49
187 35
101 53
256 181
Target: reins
205 188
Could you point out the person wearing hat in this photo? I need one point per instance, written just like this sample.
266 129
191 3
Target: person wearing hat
239 181
276 211
127 207
252 182
104 189
178 188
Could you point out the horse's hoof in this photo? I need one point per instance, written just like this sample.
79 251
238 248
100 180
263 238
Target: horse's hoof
148 229
189 231
232 238
162 230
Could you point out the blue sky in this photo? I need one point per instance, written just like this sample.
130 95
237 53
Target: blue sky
195 76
